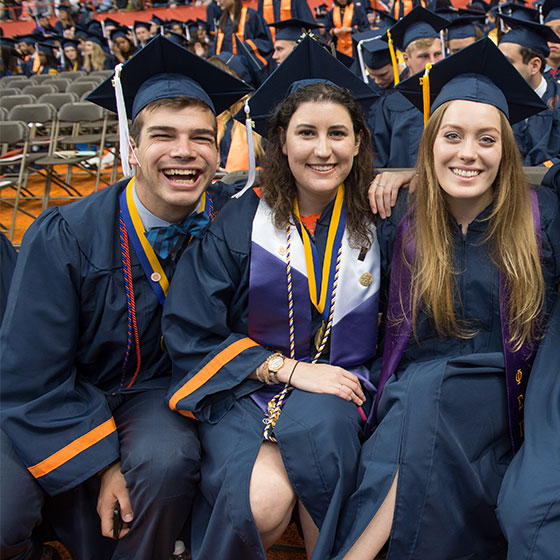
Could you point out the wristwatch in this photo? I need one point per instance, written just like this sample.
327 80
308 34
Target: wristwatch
273 364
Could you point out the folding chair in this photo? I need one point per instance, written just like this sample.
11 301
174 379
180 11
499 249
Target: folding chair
10 91
41 120
10 101
90 78
58 99
71 74
16 81
3 115
38 90
38 79
81 87
83 119
13 162
59 83
103 73
6 81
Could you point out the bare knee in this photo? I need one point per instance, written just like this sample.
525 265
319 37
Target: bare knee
271 494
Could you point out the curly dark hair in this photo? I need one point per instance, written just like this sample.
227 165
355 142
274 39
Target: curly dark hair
277 183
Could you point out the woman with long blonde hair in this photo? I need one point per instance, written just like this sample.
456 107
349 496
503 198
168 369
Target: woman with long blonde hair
95 57
474 259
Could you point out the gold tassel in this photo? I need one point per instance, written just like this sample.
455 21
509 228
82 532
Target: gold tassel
425 83
393 59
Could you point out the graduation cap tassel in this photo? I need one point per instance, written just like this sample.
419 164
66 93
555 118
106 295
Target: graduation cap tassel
442 39
362 63
396 77
425 83
251 149
123 122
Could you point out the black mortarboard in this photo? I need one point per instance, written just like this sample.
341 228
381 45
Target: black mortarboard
80 31
144 24
7 42
98 39
529 34
291 29
119 32
157 20
238 64
376 54
419 23
463 27
177 38
111 22
163 69
70 43
551 10
308 61
481 73
28 39
95 27
479 5
45 48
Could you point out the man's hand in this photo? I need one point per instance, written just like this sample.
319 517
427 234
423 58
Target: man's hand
385 187
113 490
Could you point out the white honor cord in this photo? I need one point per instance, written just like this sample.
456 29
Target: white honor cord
442 39
251 149
124 135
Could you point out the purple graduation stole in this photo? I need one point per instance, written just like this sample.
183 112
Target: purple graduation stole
354 334
517 364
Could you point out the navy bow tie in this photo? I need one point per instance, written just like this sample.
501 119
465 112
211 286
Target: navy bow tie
168 240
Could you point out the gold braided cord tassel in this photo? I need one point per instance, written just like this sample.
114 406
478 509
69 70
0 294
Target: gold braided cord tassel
425 83
396 77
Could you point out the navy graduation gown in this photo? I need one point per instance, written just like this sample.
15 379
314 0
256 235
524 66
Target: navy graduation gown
538 137
450 468
8 258
299 9
64 339
206 326
397 129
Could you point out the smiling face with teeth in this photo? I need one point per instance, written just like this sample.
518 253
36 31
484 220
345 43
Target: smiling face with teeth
467 154
178 156
320 145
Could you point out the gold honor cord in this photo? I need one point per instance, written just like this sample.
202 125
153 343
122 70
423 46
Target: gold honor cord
396 78
319 301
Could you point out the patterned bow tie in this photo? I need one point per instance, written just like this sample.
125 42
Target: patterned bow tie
168 240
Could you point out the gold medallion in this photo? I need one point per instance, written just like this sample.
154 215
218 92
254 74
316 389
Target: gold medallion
366 279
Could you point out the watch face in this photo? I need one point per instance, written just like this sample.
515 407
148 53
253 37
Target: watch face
276 363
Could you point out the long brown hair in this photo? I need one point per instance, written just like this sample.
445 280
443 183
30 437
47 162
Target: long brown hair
222 22
511 237
277 183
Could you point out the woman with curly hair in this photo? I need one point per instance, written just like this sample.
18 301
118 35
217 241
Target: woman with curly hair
474 262
273 320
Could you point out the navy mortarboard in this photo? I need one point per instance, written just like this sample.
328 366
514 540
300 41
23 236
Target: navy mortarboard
238 64
7 42
518 11
163 70
119 32
478 73
291 29
462 27
144 24
308 61
97 39
479 5
177 38
419 23
529 34
109 22
27 39
550 10
157 20
80 31
372 52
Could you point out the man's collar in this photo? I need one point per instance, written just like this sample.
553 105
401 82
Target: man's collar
149 219
540 90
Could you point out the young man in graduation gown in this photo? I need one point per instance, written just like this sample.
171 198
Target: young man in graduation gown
398 126
84 372
286 33
525 46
